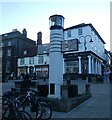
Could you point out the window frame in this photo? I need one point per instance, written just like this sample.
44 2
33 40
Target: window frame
9 52
31 60
80 31
22 61
69 33
40 59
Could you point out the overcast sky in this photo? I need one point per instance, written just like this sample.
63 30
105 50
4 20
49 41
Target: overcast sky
34 16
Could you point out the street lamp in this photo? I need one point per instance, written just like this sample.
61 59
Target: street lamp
85 40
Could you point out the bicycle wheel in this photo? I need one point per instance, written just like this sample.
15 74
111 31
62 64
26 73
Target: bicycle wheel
24 115
35 111
10 114
15 115
46 110
38 110
7 112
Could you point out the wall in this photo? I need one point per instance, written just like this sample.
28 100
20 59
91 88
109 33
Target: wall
36 61
97 46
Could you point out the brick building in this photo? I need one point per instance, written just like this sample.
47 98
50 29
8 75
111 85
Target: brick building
11 47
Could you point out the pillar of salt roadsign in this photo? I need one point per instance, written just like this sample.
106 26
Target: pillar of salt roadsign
56 56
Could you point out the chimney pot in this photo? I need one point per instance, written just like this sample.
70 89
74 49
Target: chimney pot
24 32
39 38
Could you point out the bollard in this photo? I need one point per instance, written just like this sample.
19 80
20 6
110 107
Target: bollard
88 91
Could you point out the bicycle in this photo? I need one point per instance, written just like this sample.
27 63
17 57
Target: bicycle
37 104
30 101
11 112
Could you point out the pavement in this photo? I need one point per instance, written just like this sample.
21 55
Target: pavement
98 106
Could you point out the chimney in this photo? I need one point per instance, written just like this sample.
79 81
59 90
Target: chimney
14 30
24 32
39 38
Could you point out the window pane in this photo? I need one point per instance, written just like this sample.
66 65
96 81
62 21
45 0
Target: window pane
31 60
42 71
40 59
9 43
69 33
80 31
72 67
9 52
22 61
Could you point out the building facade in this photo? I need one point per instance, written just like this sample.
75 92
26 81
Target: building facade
89 54
35 60
11 47
37 64
84 54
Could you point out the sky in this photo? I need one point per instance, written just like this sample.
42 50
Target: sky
34 16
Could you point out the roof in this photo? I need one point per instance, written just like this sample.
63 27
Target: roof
15 34
84 25
30 52
56 16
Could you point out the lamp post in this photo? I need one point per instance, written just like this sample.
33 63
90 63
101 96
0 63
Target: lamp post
85 40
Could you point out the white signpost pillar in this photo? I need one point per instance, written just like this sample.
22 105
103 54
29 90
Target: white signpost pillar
56 56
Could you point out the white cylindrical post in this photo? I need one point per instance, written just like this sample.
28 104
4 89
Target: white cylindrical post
96 70
56 56
89 64
63 67
93 65
80 65
100 68
28 70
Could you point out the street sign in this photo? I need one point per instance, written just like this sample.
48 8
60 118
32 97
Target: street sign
70 45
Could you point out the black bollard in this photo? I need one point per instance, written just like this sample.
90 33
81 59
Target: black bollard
88 91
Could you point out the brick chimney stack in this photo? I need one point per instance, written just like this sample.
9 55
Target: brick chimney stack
39 38
24 32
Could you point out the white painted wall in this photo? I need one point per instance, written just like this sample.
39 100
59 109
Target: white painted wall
36 59
96 46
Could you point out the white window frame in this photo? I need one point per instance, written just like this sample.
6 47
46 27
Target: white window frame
22 61
31 60
80 31
69 33
40 59
9 43
9 52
